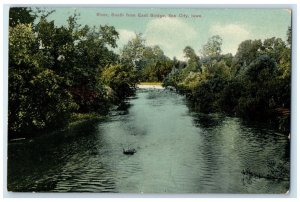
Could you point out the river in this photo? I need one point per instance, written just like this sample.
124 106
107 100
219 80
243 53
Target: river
178 151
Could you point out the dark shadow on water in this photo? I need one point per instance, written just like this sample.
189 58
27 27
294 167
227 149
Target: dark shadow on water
38 164
88 157
208 120
123 107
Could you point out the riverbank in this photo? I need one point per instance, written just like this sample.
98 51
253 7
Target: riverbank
76 120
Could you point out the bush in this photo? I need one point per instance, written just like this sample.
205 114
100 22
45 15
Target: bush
229 97
45 103
120 78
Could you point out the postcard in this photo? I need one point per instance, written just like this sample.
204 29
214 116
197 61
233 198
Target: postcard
149 100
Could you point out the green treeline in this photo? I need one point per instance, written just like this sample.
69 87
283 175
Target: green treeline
254 83
61 73
150 63
55 72
58 72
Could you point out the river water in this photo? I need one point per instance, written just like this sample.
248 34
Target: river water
178 151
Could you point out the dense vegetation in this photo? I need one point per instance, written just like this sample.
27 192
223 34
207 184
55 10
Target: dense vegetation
56 72
255 83
150 63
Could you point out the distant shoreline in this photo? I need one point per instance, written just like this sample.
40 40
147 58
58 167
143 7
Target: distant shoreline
150 85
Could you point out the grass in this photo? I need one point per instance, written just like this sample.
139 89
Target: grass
77 118
151 83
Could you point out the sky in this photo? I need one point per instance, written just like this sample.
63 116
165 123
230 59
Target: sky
175 28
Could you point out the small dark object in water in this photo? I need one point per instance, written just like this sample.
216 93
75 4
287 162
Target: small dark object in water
129 151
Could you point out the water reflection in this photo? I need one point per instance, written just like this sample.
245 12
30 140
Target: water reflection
208 120
123 107
178 151
262 151
57 161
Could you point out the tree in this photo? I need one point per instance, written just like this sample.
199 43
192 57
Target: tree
108 35
193 65
259 81
273 47
20 15
217 69
91 55
230 95
154 65
120 78
247 52
22 44
57 70
193 62
212 48
37 97
132 52
52 103
211 53
79 54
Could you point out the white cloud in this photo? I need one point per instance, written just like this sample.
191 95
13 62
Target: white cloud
124 36
232 35
171 34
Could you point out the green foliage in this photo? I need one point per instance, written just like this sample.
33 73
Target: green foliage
262 69
216 69
173 78
37 103
204 97
208 94
55 71
213 47
254 83
52 103
121 79
78 118
22 45
108 35
247 52
263 89
156 68
150 62
192 81
193 62
78 54
193 59
20 15
38 97
230 95
132 52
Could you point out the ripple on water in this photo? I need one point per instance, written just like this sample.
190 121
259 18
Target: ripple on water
178 151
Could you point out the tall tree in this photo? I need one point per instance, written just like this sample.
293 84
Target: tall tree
155 65
213 47
247 52
192 57
37 97
132 52
20 15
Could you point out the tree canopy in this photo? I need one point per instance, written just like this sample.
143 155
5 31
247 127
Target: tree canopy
56 71
255 82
